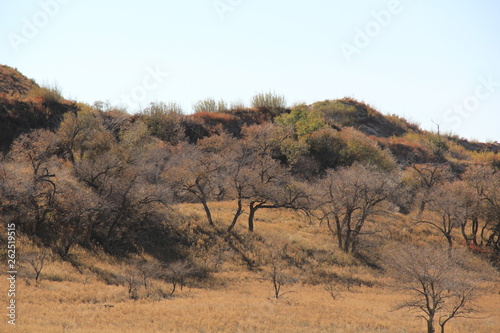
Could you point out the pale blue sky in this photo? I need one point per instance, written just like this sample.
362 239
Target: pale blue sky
419 63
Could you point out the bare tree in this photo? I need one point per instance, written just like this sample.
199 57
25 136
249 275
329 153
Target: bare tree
350 197
424 177
222 168
484 182
82 134
237 177
37 261
441 287
177 272
271 185
132 280
280 192
447 209
277 273
196 175
76 210
32 178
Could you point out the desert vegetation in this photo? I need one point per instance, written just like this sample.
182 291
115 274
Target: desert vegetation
321 217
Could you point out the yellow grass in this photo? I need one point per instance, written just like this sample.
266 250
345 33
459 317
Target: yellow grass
238 300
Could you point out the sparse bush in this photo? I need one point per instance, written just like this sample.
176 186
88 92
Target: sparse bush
237 105
133 282
271 102
210 105
333 289
49 94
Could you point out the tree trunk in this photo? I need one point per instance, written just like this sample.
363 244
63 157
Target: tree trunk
111 229
251 216
340 238
207 212
254 206
239 211
450 245
422 207
467 239
430 324
348 233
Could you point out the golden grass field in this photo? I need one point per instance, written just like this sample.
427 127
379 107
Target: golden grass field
235 299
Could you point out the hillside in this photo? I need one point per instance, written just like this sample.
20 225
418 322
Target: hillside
25 106
13 83
232 218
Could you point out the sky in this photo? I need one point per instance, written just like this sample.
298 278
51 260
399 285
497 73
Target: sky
432 62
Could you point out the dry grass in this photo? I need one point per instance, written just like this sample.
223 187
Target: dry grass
245 305
238 300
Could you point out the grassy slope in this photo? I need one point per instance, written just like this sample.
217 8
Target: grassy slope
235 299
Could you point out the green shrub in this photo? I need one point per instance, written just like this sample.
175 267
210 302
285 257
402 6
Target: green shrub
360 148
328 148
341 112
305 121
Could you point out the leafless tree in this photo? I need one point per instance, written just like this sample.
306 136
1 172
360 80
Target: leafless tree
349 197
271 185
424 177
32 178
277 273
132 281
37 261
280 192
177 272
82 134
197 175
484 181
447 209
441 287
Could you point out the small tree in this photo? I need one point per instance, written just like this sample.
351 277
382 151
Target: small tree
177 272
277 273
132 281
442 287
37 260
